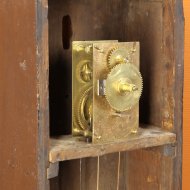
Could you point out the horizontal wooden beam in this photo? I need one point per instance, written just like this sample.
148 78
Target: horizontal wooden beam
68 147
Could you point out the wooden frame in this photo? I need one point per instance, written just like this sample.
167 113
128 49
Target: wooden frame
24 99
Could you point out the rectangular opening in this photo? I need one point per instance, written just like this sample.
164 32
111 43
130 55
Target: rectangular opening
152 23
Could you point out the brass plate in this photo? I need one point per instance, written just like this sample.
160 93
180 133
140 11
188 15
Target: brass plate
108 125
82 83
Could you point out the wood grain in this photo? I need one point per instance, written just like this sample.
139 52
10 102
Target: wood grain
158 25
18 96
53 170
68 147
170 116
178 54
42 77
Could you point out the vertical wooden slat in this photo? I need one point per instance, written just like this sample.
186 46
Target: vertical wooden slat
168 116
143 168
142 171
166 170
108 172
178 90
90 174
42 91
122 171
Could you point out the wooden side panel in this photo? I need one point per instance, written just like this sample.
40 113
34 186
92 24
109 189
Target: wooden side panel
18 96
178 89
148 169
90 172
144 168
42 91
165 173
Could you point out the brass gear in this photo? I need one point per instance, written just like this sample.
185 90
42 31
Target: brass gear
83 113
123 87
117 55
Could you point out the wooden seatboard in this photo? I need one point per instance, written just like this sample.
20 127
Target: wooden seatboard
69 147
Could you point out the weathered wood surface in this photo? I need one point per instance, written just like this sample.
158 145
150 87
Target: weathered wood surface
42 77
167 173
19 138
178 54
68 147
158 25
24 123
53 170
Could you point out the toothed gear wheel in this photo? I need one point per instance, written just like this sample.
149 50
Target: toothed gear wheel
123 87
117 55
83 113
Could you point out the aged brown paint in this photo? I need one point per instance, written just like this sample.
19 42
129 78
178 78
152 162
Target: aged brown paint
90 172
23 95
18 96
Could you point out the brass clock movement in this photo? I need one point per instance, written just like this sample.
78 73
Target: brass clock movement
107 86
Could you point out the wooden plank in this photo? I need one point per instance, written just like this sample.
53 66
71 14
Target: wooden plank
157 73
18 96
53 170
146 170
68 147
110 171
89 171
178 90
168 174
147 26
42 76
